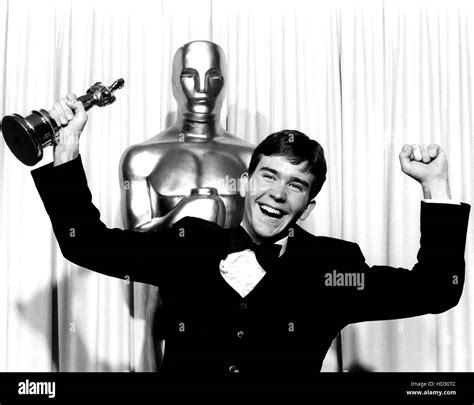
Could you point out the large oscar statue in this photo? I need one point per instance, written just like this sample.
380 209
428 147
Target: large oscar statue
189 169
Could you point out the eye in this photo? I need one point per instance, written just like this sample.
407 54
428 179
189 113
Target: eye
296 187
214 74
188 74
268 176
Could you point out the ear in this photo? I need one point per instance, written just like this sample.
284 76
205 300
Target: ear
244 184
307 210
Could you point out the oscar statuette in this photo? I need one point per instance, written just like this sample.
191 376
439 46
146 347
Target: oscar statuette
28 136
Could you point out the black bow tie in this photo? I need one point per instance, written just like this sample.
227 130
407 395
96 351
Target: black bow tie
266 253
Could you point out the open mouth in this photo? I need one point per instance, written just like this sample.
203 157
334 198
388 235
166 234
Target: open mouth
271 212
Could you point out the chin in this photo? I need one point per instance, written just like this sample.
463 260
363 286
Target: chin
265 233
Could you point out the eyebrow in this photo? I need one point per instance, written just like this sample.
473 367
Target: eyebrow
293 179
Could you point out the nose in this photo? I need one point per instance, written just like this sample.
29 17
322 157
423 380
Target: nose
202 83
278 192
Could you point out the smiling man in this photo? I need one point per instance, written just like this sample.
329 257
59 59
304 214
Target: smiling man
287 171
252 303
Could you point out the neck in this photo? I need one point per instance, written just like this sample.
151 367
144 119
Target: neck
249 230
199 127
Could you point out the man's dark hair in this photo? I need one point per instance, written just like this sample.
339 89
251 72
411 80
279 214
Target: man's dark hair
296 147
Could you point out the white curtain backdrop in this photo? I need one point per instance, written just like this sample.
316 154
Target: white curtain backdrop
362 78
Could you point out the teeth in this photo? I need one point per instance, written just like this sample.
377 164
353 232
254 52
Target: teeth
271 210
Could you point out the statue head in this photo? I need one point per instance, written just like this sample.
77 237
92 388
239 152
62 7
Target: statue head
199 74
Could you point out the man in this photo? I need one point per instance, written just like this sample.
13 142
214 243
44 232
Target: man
168 176
260 302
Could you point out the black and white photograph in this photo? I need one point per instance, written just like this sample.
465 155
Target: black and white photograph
236 196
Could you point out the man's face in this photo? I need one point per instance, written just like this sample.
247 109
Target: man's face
277 195
198 80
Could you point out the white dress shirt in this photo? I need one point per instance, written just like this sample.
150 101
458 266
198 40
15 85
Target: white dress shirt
242 271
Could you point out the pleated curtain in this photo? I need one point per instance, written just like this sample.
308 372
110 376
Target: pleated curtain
361 77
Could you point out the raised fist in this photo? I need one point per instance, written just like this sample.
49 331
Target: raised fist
69 113
424 163
72 117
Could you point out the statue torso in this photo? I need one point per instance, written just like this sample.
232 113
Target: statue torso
179 164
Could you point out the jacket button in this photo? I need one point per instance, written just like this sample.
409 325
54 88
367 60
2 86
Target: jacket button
243 305
234 370
240 334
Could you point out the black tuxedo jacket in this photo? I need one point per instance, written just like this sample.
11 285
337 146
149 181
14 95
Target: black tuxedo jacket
283 328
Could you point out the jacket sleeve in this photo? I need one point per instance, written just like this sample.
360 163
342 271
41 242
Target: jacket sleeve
433 285
86 241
